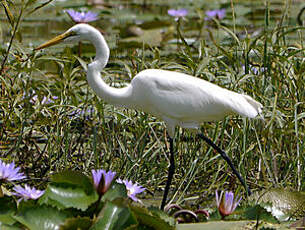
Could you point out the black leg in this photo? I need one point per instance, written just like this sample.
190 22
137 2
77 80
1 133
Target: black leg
171 171
225 156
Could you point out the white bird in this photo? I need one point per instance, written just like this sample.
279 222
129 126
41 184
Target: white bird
178 99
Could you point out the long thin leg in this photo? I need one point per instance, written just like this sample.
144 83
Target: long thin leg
226 157
171 171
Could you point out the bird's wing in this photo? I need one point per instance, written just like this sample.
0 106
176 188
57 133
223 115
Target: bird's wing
187 99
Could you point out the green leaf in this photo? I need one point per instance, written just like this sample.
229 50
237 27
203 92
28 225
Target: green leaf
75 178
258 212
115 191
7 209
163 215
115 215
70 189
67 196
8 13
147 218
8 227
82 62
78 223
282 203
37 217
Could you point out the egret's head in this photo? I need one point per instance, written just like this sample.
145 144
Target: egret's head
74 34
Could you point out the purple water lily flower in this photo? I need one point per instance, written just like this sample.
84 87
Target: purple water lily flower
132 189
8 172
218 14
82 17
226 203
180 13
45 100
254 69
102 180
27 192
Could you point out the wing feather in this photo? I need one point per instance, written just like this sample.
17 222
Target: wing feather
188 99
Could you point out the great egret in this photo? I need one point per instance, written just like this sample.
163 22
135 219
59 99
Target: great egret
179 99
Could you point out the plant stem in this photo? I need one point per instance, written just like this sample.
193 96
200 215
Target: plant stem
9 47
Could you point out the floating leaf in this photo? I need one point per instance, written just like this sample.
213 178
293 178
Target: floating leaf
70 189
282 203
77 223
68 196
73 177
8 227
7 209
163 215
258 212
37 217
149 219
115 215
115 191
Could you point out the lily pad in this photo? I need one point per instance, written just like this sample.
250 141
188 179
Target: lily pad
77 223
152 219
115 191
41 217
115 215
7 209
282 203
70 190
148 37
8 227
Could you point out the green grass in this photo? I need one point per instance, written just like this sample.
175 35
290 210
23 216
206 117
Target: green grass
43 139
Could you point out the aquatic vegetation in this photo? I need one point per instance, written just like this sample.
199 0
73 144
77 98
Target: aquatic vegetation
27 192
8 172
102 180
45 100
87 112
254 69
226 203
218 14
69 191
132 189
82 17
261 54
185 215
180 13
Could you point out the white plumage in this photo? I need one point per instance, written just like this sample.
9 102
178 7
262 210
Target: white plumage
177 98
180 99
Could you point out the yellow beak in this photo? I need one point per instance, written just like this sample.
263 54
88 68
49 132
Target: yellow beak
55 40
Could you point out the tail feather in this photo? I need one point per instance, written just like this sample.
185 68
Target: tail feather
248 107
256 106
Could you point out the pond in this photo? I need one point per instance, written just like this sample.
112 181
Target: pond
56 129
119 18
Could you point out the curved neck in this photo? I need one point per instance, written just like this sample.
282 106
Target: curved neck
101 48
116 96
